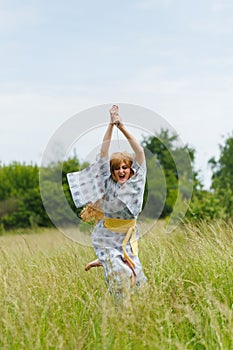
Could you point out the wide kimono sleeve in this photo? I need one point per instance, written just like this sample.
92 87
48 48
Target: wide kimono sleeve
131 193
89 184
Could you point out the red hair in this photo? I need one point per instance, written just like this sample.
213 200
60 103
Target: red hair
120 157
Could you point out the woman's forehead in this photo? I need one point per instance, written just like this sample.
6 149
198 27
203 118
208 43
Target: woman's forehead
120 162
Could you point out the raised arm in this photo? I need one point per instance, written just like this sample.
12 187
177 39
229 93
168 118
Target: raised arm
137 148
108 133
106 141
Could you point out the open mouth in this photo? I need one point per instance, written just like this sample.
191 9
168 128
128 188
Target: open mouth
122 177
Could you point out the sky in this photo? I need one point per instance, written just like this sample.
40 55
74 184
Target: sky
59 58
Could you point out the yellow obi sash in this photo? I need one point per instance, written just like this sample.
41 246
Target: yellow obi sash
124 226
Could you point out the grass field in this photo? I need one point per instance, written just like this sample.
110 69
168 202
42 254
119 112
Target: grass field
48 301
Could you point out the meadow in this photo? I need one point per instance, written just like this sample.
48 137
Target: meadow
48 300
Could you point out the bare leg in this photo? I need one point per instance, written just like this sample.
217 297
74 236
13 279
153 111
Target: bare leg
94 263
133 277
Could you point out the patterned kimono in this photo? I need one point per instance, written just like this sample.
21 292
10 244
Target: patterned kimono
121 201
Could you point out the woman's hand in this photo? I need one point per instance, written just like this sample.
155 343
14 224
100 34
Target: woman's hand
114 114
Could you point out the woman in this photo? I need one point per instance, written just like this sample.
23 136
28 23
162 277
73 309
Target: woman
116 188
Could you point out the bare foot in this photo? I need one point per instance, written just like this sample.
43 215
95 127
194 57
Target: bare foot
94 263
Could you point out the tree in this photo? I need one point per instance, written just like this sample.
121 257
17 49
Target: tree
222 179
20 193
20 200
170 169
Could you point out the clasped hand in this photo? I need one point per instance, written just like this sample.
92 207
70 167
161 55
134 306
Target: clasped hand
114 114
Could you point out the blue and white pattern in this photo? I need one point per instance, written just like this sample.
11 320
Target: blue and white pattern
122 201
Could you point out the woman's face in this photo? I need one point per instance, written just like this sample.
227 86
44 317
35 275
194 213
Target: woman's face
122 173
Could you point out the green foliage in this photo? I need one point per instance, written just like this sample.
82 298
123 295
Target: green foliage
16 179
153 195
205 205
21 205
164 157
20 201
54 187
217 203
222 179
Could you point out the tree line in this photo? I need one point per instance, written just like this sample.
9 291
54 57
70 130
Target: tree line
21 205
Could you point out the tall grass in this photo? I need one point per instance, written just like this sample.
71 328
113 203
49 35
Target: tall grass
48 301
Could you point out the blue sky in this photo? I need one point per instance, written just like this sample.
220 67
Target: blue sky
61 57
